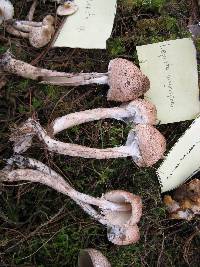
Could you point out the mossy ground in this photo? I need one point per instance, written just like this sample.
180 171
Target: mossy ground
40 227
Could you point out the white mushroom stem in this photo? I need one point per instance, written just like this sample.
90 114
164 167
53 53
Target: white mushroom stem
74 150
10 29
58 183
23 69
137 111
77 118
19 24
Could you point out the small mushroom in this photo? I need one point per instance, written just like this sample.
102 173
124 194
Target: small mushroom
145 144
38 33
41 36
121 232
185 201
125 79
92 258
6 10
136 111
67 8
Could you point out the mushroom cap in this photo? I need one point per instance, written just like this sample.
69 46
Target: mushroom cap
6 10
123 236
145 112
68 8
122 218
41 36
126 81
92 258
151 143
48 20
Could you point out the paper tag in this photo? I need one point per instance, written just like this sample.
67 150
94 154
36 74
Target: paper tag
183 161
171 67
90 26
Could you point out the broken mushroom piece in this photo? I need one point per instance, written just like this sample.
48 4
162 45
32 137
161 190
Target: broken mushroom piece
136 111
6 10
120 232
125 79
67 8
145 144
92 258
185 201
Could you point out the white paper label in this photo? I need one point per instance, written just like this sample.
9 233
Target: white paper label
90 26
183 161
171 67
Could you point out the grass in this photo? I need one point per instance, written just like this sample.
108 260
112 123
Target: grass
40 227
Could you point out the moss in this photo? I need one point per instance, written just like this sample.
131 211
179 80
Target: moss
116 47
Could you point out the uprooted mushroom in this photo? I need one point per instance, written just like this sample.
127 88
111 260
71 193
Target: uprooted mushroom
38 33
119 211
136 111
145 144
125 79
185 201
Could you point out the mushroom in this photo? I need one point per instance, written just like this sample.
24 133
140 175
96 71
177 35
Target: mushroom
92 258
185 201
67 8
38 33
126 81
6 10
145 144
136 111
41 36
129 208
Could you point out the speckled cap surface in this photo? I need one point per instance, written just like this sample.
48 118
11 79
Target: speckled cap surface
126 81
152 145
92 257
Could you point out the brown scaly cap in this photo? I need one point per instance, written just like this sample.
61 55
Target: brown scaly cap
88 256
152 145
126 81
129 217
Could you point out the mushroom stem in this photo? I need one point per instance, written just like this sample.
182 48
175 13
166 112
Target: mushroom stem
23 69
10 29
74 150
77 118
20 23
32 10
58 183
137 111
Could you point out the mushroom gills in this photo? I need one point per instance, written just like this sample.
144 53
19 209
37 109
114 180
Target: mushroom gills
132 144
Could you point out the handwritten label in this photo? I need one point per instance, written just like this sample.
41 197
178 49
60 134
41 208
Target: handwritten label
171 67
183 161
90 26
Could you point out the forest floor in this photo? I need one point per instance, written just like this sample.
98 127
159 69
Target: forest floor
40 227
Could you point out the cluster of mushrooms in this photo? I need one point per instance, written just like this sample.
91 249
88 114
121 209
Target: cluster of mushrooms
119 211
39 34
